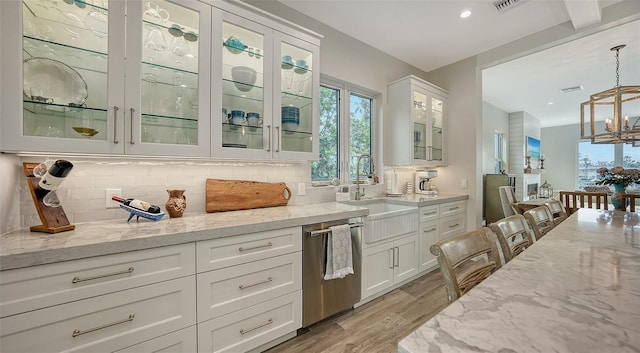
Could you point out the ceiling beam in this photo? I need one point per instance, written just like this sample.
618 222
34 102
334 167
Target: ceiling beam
584 12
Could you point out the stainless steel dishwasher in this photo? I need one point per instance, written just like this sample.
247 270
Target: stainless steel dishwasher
323 298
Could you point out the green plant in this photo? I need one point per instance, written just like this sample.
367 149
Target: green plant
618 176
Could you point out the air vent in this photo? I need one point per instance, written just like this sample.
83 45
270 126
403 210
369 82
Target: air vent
504 5
571 89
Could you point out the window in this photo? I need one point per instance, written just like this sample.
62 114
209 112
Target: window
594 156
346 132
499 153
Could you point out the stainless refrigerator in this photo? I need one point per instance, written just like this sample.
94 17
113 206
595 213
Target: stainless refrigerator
492 210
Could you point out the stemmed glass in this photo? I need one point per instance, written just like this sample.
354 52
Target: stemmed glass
155 41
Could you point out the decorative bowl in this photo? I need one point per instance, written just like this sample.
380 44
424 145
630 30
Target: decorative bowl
244 78
85 131
235 45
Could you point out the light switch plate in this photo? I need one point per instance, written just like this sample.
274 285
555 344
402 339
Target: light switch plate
301 189
108 203
464 183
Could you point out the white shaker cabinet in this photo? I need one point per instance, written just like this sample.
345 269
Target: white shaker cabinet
415 131
72 83
269 83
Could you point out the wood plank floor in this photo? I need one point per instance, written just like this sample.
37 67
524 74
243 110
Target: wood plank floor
377 326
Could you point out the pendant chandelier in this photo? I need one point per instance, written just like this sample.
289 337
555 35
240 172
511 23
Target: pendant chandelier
620 106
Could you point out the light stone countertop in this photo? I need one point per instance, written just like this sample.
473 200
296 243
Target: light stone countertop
24 248
575 290
417 200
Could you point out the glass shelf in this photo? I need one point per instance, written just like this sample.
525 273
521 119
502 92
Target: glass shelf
64 110
294 100
75 57
159 74
166 120
246 50
229 88
184 28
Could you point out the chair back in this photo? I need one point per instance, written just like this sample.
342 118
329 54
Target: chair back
513 235
572 200
557 211
466 259
631 200
540 220
508 199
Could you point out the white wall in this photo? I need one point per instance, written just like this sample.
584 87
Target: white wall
560 147
462 79
494 120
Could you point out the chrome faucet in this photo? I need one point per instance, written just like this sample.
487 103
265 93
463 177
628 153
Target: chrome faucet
373 168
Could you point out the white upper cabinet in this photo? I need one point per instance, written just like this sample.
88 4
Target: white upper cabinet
162 77
269 83
79 86
415 131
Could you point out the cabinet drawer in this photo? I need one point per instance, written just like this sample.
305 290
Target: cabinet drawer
105 323
233 288
428 213
179 341
251 327
451 208
224 252
452 225
37 287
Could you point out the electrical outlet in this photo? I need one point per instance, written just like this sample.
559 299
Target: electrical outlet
301 189
107 198
464 183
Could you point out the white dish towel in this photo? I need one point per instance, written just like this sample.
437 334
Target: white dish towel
339 255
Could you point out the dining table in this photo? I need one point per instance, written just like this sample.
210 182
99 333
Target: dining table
577 289
531 203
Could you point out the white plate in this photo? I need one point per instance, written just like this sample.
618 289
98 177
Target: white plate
53 81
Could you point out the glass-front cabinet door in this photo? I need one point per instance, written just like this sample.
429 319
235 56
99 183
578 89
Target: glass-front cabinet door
72 69
242 125
419 113
167 78
296 82
436 121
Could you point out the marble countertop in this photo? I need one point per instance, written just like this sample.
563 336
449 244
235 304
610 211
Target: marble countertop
575 290
423 200
25 248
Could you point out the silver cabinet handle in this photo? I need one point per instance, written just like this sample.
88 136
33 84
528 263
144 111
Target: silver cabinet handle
429 214
455 225
131 141
454 208
391 258
429 230
115 124
279 135
267 245
255 284
270 138
77 332
78 279
243 331
396 256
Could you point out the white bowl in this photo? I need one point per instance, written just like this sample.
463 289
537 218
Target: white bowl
244 77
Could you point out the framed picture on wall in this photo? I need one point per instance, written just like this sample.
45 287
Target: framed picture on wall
533 150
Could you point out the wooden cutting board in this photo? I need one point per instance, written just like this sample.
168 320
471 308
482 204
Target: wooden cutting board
230 195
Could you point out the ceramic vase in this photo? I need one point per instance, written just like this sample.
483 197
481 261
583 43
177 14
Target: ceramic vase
619 202
176 204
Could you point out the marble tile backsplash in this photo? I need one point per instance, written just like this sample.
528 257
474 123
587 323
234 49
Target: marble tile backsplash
147 180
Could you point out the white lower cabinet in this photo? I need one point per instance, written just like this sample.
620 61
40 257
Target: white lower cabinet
385 264
251 327
179 341
429 234
104 323
249 289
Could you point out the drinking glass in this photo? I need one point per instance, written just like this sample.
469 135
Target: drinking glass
56 197
155 41
41 169
179 48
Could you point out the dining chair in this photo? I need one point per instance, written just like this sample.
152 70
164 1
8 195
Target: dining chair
508 200
540 220
513 235
466 260
572 200
631 200
557 211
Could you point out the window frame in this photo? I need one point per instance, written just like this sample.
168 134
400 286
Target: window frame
345 90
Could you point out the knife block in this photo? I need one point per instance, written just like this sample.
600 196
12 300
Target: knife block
53 219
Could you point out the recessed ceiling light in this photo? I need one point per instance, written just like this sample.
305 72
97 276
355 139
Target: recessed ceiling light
465 14
550 103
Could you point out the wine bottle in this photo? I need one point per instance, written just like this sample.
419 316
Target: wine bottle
55 175
141 205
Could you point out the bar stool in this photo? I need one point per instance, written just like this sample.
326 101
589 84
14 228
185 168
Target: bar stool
466 260
513 235
540 220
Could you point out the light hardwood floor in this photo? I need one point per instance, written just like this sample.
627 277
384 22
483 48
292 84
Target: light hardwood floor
377 326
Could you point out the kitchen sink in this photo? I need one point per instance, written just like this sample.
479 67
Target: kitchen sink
386 220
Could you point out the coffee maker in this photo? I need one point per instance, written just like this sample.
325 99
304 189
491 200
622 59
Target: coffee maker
422 182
